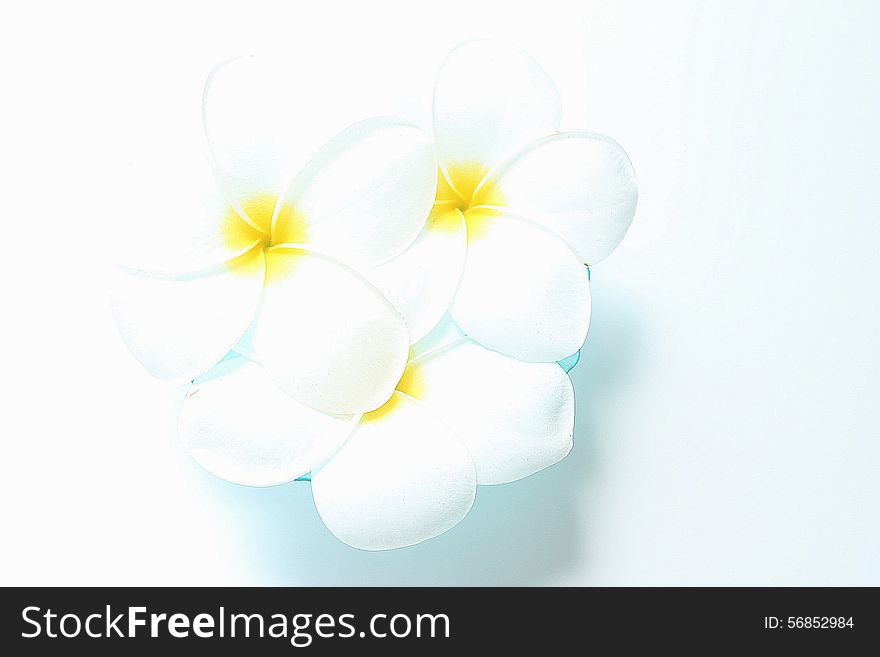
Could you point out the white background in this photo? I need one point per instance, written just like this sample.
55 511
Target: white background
727 428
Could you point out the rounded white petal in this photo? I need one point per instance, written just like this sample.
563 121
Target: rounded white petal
254 131
579 185
421 281
265 116
515 418
249 133
327 336
403 477
237 424
367 193
491 99
524 292
179 327
179 225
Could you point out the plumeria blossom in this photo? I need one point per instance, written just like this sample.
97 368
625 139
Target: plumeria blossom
270 259
520 209
460 415
304 303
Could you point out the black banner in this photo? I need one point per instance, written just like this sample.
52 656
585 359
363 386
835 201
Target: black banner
109 621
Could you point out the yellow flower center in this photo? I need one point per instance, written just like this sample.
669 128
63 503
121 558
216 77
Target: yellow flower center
465 187
262 232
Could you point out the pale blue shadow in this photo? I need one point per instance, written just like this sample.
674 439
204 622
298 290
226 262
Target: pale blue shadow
525 533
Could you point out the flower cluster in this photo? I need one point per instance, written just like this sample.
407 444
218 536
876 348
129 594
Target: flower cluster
387 320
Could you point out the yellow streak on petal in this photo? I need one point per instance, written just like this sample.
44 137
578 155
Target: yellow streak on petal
412 382
480 223
259 210
384 410
444 218
247 264
487 194
237 233
464 176
281 263
468 189
290 226
446 195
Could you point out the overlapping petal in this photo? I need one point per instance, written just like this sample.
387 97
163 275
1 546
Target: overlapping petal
403 477
240 426
257 143
327 336
347 271
489 100
579 185
443 333
179 226
179 327
422 281
524 292
515 418
366 195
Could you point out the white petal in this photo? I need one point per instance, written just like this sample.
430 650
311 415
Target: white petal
403 477
179 328
367 194
326 336
524 292
240 426
515 418
445 332
178 222
266 116
489 100
579 185
421 281
256 135
248 131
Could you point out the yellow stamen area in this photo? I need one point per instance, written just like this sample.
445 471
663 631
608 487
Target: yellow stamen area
411 383
480 222
248 264
444 218
458 189
465 187
464 191
384 410
259 234
280 263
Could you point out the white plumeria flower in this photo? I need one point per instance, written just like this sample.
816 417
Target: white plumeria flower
460 415
520 209
325 349
275 254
